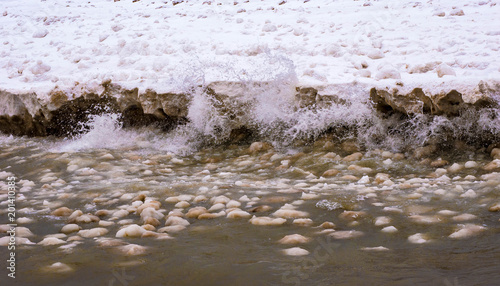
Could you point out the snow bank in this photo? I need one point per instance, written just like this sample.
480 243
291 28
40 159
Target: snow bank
74 46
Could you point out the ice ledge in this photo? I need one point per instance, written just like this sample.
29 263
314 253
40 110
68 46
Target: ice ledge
56 112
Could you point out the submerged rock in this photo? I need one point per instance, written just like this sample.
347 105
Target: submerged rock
290 213
267 221
467 231
133 230
376 248
69 228
58 267
418 238
295 251
93 232
495 207
51 241
294 239
237 213
62 211
132 249
4 241
346 234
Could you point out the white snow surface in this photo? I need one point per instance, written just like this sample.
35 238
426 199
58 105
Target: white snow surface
74 46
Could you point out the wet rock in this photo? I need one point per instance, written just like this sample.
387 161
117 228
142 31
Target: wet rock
266 221
447 212
176 212
149 204
426 151
58 267
424 219
163 236
237 213
364 180
150 212
132 249
220 200
469 194
389 229
93 232
74 215
309 196
105 223
495 164
172 228
294 239
353 157
382 220
495 207
464 217
74 238
470 165
101 213
233 204
140 197
175 220
359 169
182 204
259 209
258 147
327 225
418 209
69 228
149 227
352 215
346 234
414 196
380 178
25 220
133 230
195 212
377 248
4 241
467 231
149 233
330 173
295 251
217 207
86 218
120 214
212 215
418 238
151 221
62 211
22 231
290 213
109 242
455 168
439 163
199 199
57 235
51 241
303 221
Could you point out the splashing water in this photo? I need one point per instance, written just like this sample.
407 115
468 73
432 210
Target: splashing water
268 107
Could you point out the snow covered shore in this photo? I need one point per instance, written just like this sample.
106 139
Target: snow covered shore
74 46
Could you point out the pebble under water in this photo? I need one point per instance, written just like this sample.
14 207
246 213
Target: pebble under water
318 214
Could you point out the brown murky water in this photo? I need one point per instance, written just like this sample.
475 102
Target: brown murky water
416 225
